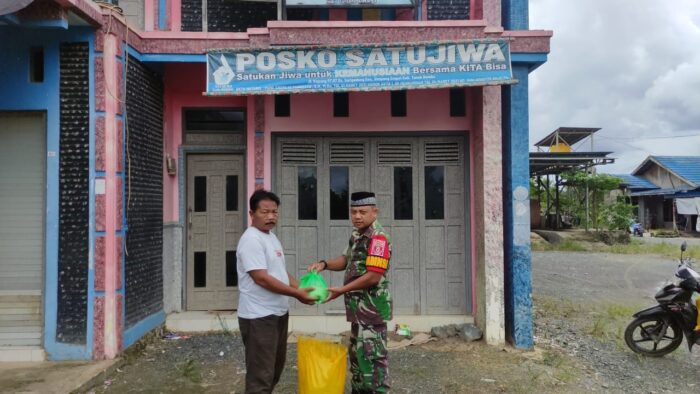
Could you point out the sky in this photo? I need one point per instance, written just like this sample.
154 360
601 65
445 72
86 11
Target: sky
630 67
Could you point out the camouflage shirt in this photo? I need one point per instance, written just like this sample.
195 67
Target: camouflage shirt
369 251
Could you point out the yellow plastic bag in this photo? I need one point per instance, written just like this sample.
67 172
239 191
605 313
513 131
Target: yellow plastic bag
322 366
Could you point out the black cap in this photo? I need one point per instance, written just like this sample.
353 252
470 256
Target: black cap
362 198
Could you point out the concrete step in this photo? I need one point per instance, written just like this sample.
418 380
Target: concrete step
200 321
22 354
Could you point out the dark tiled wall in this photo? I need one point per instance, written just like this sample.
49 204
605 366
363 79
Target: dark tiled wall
227 15
191 11
73 214
448 9
144 193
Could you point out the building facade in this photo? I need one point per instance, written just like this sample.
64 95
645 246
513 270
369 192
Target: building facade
666 192
125 175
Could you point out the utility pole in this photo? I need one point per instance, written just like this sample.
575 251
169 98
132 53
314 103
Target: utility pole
587 214
556 199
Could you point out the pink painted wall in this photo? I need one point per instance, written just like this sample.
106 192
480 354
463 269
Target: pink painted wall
427 110
149 15
184 84
176 15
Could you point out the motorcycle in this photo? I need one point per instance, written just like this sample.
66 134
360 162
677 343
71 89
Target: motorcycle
659 330
636 229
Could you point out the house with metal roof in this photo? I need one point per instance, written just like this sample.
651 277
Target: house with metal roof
666 190
633 183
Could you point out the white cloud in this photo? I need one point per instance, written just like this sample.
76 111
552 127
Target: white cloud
630 67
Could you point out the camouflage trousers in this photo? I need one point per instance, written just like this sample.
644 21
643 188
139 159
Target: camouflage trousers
368 359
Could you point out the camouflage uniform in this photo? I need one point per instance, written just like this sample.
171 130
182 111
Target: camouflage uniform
368 310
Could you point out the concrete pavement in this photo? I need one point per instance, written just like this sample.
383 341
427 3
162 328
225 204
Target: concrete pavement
50 377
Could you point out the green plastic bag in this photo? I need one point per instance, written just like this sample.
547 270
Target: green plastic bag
315 280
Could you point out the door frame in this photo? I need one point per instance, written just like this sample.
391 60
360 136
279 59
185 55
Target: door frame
466 137
183 153
45 204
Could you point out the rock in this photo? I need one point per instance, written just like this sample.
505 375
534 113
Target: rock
452 330
439 332
470 332
551 236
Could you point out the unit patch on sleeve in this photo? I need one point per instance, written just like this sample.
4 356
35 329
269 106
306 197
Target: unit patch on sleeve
378 254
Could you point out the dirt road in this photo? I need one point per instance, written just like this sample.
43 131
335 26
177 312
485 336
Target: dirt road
583 302
627 279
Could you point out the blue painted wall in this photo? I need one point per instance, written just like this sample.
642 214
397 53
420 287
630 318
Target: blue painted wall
516 210
515 14
21 95
516 187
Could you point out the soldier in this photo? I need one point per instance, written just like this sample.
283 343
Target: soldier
368 305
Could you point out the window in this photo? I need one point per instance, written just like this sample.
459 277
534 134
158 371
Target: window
36 64
403 193
200 269
668 210
282 105
435 192
307 204
200 194
458 102
340 197
232 192
214 121
341 104
231 272
398 103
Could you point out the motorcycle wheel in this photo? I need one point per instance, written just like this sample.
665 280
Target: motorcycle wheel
646 336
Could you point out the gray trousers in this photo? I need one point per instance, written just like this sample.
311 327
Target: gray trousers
265 341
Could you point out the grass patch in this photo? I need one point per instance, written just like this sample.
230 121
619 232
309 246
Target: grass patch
564 370
663 249
610 322
558 307
190 370
551 358
634 247
567 245
603 321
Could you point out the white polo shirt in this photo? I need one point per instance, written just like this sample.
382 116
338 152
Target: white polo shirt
258 250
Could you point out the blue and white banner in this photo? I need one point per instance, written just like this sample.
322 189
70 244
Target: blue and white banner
350 3
358 68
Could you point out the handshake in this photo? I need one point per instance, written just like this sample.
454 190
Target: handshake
313 288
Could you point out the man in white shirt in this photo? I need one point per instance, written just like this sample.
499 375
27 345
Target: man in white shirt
263 304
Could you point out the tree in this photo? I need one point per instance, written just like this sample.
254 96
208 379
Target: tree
617 216
582 184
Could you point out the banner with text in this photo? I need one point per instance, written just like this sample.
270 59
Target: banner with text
350 3
358 68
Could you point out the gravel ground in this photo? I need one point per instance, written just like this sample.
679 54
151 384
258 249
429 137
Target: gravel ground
583 302
195 365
